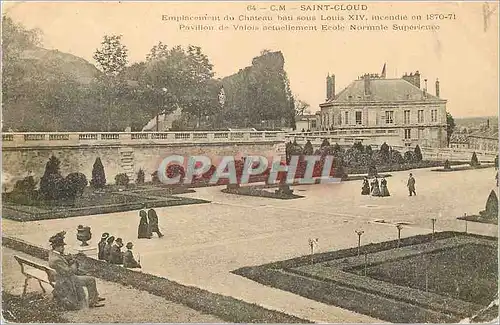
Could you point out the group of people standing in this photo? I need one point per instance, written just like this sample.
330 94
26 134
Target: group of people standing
373 188
110 250
148 224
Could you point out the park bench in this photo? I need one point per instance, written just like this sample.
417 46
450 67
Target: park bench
33 270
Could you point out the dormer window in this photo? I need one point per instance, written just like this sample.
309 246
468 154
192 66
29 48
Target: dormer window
349 97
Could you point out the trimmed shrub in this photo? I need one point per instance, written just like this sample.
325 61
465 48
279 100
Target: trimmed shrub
52 182
75 184
359 147
154 178
122 179
140 177
98 176
308 148
25 186
418 154
474 162
325 143
409 157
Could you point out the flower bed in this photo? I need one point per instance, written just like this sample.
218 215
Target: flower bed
224 307
463 167
260 192
19 212
32 308
480 219
352 292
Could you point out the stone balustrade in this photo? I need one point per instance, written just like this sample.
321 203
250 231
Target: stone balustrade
41 139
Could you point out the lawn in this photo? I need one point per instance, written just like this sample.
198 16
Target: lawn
467 272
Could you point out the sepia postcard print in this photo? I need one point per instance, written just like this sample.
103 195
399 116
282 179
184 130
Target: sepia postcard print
250 162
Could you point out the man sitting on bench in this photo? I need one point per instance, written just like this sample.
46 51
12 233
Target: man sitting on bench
69 286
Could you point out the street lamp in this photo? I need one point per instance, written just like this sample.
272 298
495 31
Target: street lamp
433 226
399 226
312 243
359 233
465 216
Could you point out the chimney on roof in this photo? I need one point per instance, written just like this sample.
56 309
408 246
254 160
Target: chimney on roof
437 87
413 78
367 82
425 88
488 123
330 87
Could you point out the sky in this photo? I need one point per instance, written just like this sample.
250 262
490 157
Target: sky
461 53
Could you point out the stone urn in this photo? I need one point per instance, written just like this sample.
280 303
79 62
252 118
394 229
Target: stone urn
83 234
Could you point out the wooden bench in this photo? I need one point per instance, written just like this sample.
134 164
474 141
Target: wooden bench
39 272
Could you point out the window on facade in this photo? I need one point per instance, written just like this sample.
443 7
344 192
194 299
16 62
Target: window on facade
420 116
434 115
313 124
358 117
407 134
389 117
420 133
340 119
346 117
407 117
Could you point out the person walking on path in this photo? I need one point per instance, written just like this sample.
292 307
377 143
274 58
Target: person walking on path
384 191
68 289
375 187
153 223
411 185
143 230
365 190
128 258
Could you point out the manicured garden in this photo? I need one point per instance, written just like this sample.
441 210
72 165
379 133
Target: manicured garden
62 197
387 280
266 192
473 164
224 307
32 308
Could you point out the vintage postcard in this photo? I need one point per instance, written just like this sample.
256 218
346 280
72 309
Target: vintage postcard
250 162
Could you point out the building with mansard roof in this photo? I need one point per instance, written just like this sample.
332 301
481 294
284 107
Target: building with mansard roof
374 109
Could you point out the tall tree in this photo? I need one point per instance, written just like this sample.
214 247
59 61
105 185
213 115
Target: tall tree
111 58
450 127
301 107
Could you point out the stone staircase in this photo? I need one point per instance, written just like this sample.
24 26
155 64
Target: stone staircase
127 162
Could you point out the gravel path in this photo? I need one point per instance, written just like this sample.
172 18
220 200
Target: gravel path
123 305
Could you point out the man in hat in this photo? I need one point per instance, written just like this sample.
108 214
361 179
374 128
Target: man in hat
128 257
411 185
66 275
102 245
116 255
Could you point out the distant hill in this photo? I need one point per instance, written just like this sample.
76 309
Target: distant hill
476 122
55 63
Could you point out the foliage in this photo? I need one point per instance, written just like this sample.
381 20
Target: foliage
112 57
474 162
308 148
155 179
372 170
75 184
325 143
140 177
450 127
409 157
52 182
98 175
122 179
25 186
301 107
418 154
359 147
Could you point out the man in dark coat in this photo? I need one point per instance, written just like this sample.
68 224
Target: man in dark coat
116 255
128 257
153 222
411 185
102 245
107 249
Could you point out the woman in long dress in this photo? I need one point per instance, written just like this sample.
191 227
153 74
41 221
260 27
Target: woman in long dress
365 190
375 188
383 188
143 231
